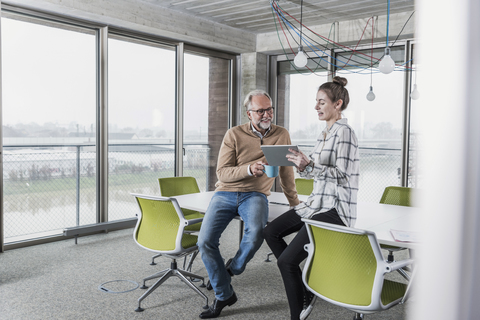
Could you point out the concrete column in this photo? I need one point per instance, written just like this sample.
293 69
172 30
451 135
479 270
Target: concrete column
217 113
254 76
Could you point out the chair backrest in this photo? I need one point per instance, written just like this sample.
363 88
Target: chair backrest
176 186
304 186
160 225
399 196
345 266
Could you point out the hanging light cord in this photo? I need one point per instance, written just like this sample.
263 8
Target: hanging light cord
371 55
301 22
388 19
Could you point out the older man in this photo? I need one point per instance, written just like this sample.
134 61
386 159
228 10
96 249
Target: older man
242 189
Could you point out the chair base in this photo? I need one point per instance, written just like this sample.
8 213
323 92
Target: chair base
358 316
268 257
167 273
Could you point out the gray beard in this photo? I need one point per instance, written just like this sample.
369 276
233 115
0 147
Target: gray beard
263 126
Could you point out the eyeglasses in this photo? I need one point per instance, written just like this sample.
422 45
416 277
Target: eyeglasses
260 112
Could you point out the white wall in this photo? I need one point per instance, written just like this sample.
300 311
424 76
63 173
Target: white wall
447 283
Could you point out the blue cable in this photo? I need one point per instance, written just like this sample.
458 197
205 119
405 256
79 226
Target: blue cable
388 18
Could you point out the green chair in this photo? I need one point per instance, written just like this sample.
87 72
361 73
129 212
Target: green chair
398 196
345 267
176 186
161 228
303 186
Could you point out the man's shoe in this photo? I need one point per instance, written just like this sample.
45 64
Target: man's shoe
217 306
308 302
227 265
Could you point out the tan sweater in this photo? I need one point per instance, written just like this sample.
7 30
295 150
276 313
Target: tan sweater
240 148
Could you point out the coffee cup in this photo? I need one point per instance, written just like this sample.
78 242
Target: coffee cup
270 171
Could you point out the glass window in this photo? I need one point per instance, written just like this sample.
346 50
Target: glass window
415 141
297 89
205 116
378 123
141 121
49 103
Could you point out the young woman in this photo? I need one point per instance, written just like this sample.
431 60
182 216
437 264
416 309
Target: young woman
334 166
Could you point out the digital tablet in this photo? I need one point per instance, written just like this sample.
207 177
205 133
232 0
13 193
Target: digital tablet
276 155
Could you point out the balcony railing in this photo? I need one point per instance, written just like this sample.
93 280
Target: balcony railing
51 187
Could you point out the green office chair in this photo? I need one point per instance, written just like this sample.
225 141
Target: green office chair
345 266
303 186
161 228
398 196
176 186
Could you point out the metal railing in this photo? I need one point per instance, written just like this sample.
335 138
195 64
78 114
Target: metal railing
51 187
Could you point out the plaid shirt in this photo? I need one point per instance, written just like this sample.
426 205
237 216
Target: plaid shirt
335 174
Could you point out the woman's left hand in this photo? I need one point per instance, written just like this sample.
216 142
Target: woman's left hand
298 158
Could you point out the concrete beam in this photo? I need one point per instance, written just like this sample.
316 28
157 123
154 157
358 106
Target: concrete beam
145 17
348 33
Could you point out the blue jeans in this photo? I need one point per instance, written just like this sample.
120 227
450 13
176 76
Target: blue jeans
224 206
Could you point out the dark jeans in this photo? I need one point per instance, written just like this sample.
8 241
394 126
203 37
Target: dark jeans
290 256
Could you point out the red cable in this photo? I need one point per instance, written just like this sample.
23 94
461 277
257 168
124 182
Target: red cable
328 40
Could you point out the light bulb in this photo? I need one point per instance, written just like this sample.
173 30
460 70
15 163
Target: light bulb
415 94
387 65
300 59
370 94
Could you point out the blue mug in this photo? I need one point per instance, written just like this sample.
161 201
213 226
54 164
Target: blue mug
270 171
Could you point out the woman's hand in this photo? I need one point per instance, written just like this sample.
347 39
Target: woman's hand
298 158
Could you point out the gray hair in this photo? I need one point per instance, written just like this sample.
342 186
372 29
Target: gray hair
247 103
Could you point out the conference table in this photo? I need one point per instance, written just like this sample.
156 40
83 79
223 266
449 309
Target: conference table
376 217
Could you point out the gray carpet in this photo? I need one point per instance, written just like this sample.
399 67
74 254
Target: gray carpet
60 281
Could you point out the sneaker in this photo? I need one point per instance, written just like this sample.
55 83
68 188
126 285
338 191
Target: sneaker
308 302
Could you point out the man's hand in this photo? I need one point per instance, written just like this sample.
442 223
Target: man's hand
298 158
257 169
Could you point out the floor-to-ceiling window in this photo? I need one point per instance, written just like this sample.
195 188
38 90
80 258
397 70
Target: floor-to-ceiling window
61 80
206 112
415 176
141 120
49 103
378 123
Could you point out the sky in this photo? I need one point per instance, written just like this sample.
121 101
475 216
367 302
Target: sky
49 76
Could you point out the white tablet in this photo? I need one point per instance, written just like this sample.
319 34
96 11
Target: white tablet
276 155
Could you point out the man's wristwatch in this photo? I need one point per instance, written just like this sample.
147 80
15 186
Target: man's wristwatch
309 167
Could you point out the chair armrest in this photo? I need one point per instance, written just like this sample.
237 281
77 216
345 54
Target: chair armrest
193 221
398 264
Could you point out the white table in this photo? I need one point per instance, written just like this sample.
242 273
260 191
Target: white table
375 217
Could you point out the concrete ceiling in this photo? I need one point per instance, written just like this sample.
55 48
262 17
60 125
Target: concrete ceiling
256 15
